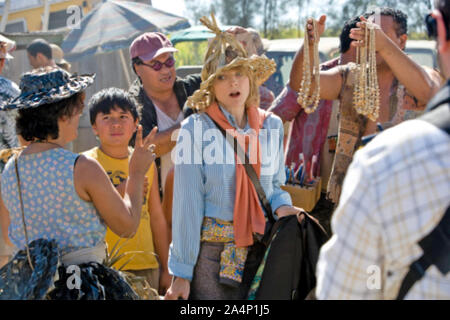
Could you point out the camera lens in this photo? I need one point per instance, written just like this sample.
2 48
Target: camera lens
431 24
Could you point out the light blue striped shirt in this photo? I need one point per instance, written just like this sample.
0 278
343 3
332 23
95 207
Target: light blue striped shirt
204 184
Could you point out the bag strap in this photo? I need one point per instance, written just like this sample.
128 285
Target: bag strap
23 213
439 117
436 251
250 171
438 109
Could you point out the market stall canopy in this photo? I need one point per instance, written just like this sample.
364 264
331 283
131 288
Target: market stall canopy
114 25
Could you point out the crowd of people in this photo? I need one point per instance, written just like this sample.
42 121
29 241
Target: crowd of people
176 195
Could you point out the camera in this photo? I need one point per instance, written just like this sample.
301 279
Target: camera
431 25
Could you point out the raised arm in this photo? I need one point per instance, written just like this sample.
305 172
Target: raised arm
122 216
330 82
415 78
164 142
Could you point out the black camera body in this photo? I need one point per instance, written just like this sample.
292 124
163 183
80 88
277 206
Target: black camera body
431 24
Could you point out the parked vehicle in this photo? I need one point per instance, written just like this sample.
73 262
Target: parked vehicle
283 52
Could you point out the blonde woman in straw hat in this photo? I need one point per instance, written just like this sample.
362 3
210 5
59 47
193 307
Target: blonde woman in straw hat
217 216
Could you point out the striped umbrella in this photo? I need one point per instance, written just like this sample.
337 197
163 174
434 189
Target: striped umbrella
114 25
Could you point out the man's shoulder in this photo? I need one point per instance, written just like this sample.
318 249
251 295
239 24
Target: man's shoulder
190 83
410 137
9 87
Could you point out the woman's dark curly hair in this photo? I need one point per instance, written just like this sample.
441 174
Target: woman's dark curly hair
41 123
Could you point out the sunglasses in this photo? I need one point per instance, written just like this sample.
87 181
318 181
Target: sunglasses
431 25
169 63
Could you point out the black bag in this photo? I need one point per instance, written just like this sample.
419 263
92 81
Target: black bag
289 271
290 268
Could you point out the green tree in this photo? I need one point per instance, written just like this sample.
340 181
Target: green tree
197 9
246 13
415 10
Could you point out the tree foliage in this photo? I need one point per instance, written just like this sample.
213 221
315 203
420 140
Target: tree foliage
270 16
416 11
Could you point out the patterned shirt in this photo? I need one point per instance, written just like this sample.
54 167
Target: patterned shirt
205 187
8 137
52 207
396 191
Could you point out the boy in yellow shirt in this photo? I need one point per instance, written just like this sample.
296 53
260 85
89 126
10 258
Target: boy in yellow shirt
114 119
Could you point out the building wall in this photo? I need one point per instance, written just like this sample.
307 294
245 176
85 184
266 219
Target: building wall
33 16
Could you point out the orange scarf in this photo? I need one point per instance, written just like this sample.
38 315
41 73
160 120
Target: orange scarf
248 216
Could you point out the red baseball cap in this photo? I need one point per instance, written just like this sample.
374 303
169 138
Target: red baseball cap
150 45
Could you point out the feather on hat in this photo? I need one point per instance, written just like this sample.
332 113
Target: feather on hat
224 53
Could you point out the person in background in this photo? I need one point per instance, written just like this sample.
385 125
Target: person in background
114 120
160 94
58 57
39 54
252 43
309 132
396 192
8 90
8 136
404 88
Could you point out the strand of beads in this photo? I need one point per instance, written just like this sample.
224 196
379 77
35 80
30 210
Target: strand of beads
366 95
310 102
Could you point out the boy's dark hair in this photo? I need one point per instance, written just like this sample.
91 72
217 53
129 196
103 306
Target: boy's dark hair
107 99
40 46
42 123
344 37
400 19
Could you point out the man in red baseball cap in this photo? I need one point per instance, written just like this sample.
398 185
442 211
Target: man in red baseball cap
161 95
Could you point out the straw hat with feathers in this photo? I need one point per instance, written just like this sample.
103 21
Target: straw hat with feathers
224 53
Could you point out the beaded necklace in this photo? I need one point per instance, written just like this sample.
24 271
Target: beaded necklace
305 99
366 94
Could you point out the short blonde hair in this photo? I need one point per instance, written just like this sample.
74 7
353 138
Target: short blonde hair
253 95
